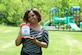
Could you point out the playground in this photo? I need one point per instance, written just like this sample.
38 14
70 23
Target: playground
70 21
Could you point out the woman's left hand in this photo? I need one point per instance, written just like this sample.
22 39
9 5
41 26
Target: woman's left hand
33 39
41 44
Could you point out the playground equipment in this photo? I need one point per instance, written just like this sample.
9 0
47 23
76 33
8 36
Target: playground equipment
70 21
81 25
55 18
75 12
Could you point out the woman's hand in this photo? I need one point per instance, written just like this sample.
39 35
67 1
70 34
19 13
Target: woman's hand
33 39
39 43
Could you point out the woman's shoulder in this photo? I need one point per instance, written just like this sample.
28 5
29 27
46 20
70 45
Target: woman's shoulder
44 28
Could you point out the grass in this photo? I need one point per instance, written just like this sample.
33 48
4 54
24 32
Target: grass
64 43
8 35
60 42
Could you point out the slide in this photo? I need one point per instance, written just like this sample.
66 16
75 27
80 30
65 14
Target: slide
74 26
47 23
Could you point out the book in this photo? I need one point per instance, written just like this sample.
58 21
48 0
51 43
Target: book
25 30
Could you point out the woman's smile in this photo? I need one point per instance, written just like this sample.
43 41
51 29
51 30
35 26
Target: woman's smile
32 17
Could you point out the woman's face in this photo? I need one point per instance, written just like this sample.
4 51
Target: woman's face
32 18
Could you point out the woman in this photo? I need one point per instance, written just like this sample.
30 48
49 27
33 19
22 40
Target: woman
39 35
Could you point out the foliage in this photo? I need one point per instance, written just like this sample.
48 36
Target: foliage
11 12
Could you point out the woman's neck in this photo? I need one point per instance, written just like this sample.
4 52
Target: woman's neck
34 25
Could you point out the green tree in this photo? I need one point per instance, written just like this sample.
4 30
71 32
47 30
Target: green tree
12 11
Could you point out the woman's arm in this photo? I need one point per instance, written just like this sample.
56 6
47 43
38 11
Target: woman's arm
45 42
18 40
41 44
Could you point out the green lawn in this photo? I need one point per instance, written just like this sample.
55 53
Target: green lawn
60 42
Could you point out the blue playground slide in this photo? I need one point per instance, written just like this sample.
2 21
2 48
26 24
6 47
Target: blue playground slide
74 26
